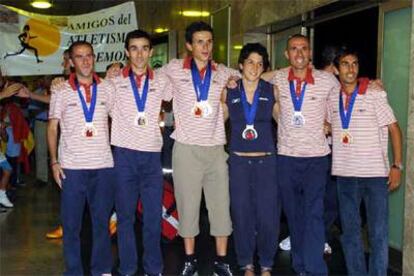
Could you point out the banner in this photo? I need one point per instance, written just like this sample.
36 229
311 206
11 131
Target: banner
33 44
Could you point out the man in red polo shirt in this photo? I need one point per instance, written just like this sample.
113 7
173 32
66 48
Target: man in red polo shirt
83 168
361 119
136 137
199 160
303 150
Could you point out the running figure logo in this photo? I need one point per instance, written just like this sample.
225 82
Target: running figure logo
24 42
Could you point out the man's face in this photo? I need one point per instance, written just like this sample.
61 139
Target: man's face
83 60
298 53
139 52
252 67
201 46
348 69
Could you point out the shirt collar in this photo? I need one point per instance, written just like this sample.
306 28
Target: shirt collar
363 86
72 78
187 64
125 72
308 79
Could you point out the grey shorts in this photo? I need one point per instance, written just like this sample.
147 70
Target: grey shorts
198 169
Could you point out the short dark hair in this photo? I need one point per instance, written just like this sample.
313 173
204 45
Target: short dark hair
343 52
254 48
137 34
194 27
297 36
121 65
77 44
328 56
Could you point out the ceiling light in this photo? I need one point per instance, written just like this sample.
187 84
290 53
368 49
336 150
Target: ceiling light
41 4
195 13
160 30
237 47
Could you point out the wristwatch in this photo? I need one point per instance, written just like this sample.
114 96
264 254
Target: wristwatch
398 166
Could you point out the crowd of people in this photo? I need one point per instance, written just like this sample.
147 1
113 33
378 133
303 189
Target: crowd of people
247 178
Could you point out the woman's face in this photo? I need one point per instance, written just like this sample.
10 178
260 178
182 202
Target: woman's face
252 67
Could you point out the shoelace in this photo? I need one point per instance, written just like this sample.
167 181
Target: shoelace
227 269
187 267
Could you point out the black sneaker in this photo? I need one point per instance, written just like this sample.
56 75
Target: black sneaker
190 268
222 269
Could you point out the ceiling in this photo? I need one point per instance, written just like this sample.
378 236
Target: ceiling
150 13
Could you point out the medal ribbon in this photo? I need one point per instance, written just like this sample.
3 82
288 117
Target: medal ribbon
88 112
249 110
201 87
346 114
140 100
297 101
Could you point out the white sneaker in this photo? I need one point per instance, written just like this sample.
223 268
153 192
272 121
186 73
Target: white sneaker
328 249
285 244
4 200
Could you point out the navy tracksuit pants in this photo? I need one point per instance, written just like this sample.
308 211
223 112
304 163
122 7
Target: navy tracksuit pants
302 182
255 208
139 176
96 188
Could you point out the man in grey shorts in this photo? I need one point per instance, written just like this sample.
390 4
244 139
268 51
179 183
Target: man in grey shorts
199 160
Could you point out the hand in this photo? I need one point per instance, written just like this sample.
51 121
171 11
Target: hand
231 83
394 178
11 89
57 83
376 85
113 71
327 128
23 92
58 174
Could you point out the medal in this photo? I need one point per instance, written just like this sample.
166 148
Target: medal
346 138
298 120
140 100
345 115
89 130
197 110
249 133
140 119
202 108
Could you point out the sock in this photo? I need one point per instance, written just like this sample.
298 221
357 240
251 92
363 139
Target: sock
113 217
190 258
221 259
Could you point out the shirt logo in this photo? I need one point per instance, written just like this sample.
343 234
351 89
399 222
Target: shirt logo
263 99
236 100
